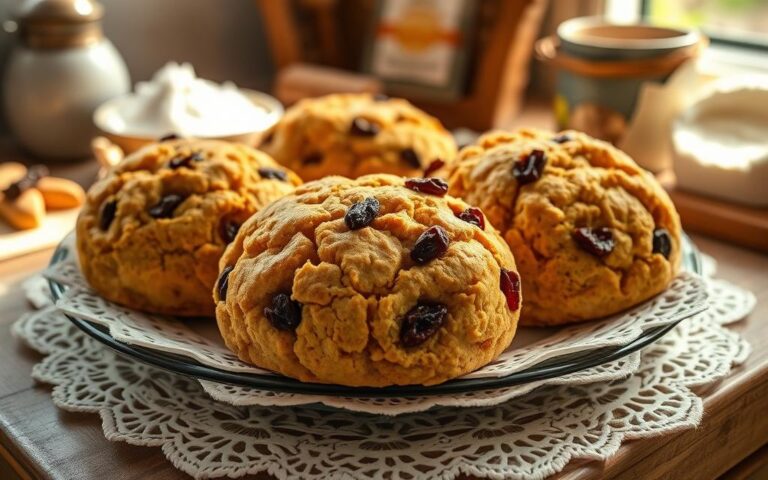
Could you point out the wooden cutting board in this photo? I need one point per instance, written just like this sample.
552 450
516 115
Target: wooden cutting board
14 243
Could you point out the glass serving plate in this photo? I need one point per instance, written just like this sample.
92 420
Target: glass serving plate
550 368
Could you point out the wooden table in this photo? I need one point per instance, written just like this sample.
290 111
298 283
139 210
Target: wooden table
37 440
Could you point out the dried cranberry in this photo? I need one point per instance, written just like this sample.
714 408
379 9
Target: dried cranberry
228 230
597 241
431 244
185 160
312 158
169 137
284 314
528 169
107 214
436 165
361 214
410 157
166 206
422 322
29 180
431 186
362 127
662 242
223 283
273 174
474 216
510 287
562 138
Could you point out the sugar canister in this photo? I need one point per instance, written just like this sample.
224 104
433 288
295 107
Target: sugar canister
60 70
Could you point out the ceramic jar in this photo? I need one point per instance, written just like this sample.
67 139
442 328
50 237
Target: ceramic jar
61 69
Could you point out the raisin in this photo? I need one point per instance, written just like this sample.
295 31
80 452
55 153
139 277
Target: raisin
284 314
562 138
474 216
15 190
169 137
185 160
431 244
431 186
223 283
510 287
528 169
312 158
662 242
410 157
228 230
597 241
422 322
107 214
29 180
380 97
362 127
273 174
361 214
166 206
436 165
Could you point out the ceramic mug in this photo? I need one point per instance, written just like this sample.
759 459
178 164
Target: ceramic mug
601 67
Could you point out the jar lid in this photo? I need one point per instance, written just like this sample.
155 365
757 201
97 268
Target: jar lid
59 23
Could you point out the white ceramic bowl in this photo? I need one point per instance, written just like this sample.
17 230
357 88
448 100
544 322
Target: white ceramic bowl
103 117
719 144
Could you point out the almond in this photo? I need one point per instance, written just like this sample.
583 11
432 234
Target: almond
10 172
60 193
26 211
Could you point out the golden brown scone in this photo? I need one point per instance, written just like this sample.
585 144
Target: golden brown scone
592 232
358 134
342 282
151 232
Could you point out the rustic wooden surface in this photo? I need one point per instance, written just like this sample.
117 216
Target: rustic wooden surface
738 224
37 440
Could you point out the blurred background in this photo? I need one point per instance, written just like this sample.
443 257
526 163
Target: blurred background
223 40
227 41
680 85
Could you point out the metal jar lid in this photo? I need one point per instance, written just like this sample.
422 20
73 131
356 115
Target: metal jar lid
51 24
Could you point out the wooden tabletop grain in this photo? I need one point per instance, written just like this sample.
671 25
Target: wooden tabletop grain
39 441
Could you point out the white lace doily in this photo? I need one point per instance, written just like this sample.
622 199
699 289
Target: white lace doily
531 437
685 297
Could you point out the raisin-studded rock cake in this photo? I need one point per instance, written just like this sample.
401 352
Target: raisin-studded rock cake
358 134
592 232
369 282
152 231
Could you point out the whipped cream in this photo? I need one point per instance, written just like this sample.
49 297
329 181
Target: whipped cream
177 101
